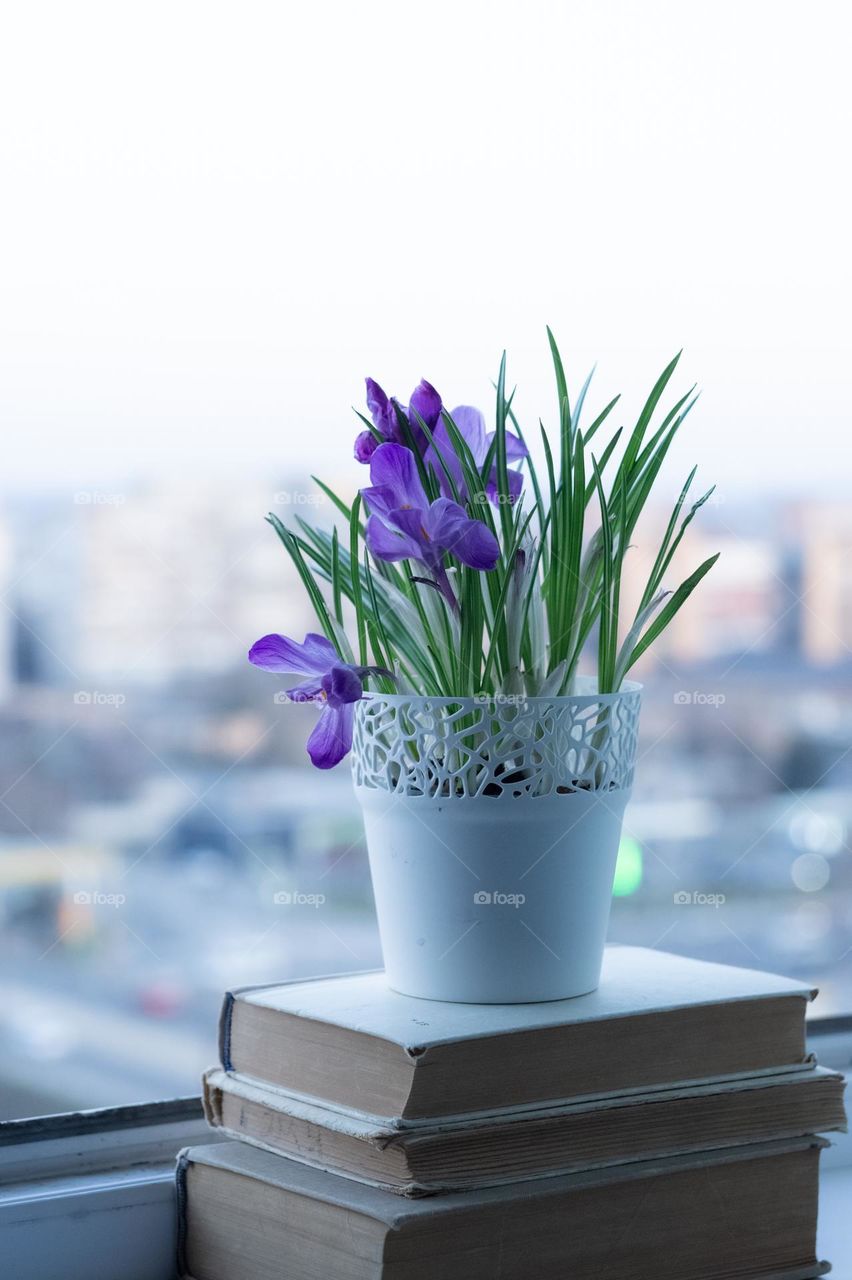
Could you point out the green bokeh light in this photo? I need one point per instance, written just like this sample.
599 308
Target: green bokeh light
628 868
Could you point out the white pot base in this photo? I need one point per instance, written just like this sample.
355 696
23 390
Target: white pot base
493 900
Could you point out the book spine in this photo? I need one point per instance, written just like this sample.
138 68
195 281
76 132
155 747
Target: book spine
180 1187
225 1031
211 1101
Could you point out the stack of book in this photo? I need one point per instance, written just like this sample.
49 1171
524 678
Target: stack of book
663 1127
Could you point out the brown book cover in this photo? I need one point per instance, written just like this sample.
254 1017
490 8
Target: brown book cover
486 1151
745 1213
655 1021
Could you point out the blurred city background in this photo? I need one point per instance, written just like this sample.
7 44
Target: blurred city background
162 837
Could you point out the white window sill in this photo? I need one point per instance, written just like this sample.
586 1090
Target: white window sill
91 1196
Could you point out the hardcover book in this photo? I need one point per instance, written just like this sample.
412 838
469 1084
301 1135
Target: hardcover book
487 1151
746 1213
657 1020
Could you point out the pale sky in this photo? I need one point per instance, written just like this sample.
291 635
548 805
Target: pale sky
217 218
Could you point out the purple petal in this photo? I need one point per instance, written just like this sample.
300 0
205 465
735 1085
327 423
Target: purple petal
387 545
394 431
378 405
411 521
476 546
468 540
515 448
393 467
278 653
471 425
366 445
380 499
516 484
441 519
342 684
442 451
426 403
332 735
443 527
416 527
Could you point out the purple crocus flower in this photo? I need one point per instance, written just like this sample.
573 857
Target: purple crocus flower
334 684
425 404
404 525
471 426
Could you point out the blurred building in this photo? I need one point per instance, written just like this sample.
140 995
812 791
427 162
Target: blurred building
41 592
183 578
738 606
7 617
825 535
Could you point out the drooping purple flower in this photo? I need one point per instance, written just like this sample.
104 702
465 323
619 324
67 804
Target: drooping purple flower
384 412
404 525
471 426
335 685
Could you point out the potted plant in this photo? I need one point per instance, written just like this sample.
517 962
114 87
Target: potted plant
493 775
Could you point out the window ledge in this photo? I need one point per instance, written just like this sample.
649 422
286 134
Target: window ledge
96 1141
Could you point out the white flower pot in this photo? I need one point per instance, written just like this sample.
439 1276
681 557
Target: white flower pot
493 828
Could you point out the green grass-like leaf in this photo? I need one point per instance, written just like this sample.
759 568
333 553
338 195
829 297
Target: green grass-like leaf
554 598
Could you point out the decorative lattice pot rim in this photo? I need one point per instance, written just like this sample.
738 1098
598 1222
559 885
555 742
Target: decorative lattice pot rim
496 745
